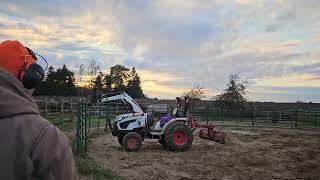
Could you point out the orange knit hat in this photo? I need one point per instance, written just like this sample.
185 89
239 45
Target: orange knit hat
13 55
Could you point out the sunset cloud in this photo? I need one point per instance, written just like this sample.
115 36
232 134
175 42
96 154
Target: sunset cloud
274 44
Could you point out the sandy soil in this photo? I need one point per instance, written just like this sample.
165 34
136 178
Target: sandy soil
250 153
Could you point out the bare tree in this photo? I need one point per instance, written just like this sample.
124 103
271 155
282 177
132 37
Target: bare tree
234 95
81 72
93 70
196 92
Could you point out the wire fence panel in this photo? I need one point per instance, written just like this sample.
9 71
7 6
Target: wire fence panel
294 118
63 111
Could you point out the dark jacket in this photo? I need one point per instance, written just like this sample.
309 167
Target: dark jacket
30 147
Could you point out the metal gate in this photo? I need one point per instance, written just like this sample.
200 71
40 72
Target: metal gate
82 128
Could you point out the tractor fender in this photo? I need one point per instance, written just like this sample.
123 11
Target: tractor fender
165 127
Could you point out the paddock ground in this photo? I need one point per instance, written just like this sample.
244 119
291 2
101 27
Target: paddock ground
249 153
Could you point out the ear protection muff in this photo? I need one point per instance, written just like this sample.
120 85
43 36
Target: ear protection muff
31 75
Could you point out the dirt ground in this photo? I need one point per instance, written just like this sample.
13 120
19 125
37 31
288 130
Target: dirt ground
249 153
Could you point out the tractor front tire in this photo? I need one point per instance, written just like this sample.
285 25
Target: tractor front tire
162 141
178 137
120 138
132 141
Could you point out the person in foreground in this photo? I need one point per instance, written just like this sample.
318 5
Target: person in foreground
30 147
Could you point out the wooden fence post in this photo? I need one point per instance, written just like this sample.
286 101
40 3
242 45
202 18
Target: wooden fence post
71 110
61 110
45 106
71 106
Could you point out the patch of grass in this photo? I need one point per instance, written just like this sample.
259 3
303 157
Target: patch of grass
61 123
66 126
97 122
81 149
88 167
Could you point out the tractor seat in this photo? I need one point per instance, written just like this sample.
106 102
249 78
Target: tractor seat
177 112
150 119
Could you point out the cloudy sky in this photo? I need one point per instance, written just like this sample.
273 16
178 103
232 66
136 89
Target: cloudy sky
175 44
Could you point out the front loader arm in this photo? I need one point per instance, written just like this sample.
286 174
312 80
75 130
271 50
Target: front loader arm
124 97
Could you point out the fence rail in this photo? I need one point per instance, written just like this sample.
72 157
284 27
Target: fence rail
65 111
294 118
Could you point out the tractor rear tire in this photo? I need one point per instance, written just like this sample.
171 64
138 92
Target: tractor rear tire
132 141
162 141
178 137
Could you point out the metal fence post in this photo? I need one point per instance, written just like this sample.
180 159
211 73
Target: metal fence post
238 117
99 116
85 126
296 118
107 116
315 118
78 129
254 116
280 116
81 133
89 118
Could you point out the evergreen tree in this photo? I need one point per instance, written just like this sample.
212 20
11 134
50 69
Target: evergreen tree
107 83
98 85
60 83
134 85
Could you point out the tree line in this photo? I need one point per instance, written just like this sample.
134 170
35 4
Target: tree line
234 96
91 81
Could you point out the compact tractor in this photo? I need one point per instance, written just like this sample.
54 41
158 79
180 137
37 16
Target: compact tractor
174 131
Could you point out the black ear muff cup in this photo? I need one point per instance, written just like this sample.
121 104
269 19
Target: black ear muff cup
33 76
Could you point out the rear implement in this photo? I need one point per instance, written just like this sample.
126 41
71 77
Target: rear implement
208 131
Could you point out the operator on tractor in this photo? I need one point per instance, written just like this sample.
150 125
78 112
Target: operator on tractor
177 112
30 146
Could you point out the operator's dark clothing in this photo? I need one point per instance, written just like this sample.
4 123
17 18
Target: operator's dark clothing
30 147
